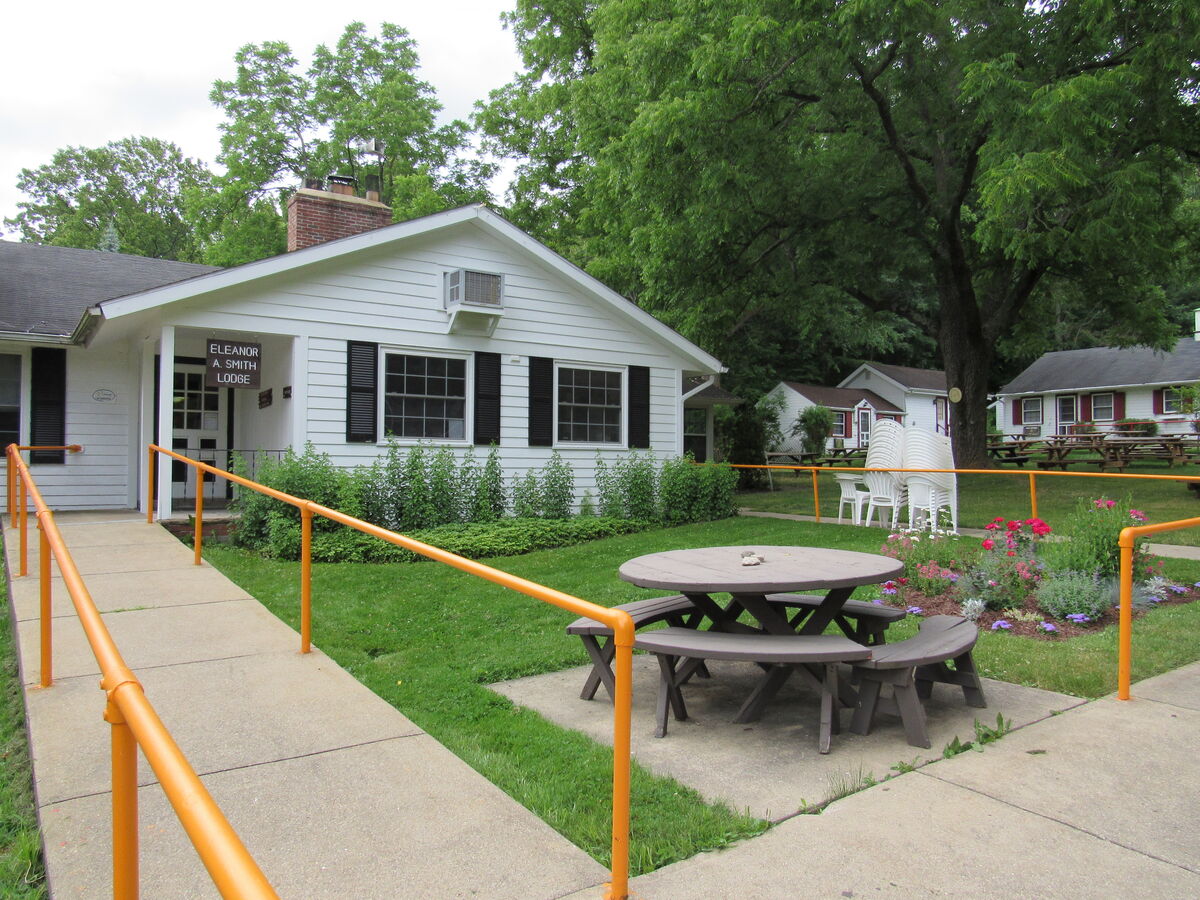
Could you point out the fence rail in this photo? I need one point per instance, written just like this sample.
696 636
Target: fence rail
1125 542
619 621
134 723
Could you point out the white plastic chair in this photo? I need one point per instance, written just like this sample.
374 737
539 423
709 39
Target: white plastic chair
929 492
849 484
885 492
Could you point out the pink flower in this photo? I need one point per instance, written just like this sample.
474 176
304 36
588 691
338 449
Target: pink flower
1137 515
989 544
1011 553
1111 503
1014 526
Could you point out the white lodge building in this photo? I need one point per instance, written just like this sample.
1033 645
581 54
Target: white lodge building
456 329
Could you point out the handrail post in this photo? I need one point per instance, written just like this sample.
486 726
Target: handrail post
11 478
816 495
46 604
623 637
1125 631
199 516
306 525
124 804
1033 495
21 516
151 465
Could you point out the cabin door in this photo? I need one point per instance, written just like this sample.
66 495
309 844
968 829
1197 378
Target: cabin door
199 429
864 427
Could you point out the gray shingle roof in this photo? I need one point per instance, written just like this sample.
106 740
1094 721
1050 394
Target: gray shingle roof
919 379
1109 367
45 290
841 398
713 394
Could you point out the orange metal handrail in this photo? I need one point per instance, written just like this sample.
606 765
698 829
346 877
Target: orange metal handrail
619 621
11 476
135 724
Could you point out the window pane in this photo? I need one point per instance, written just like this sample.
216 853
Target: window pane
425 397
589 406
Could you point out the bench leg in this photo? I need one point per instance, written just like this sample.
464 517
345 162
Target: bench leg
602 657
868 699
963 674
829 712
912 713
670 698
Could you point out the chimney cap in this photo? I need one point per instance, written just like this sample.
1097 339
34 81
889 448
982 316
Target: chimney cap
314 184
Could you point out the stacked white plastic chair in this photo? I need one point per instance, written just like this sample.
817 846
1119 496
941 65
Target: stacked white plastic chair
929 492
885 451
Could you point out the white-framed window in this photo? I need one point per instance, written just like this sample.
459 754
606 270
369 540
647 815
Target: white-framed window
839 424
1102 407
424 396
1172 402
589 404
1031 410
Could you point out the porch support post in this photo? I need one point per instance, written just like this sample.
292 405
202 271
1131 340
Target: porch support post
145 431
299 401
166 392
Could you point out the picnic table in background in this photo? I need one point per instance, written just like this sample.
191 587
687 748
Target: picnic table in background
1019 451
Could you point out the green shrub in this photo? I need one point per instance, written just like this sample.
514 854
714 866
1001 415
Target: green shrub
608 487
679 490
310 476
445 507
557 488
637 480
586 506
527 495
1074 593
1089 540
814 424
1139 427
491 503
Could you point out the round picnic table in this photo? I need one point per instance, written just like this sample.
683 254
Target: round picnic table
699 573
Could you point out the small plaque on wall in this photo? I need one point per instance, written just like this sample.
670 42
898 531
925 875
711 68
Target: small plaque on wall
264 398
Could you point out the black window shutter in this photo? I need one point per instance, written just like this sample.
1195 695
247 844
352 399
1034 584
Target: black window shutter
362 389
487 398
48 399
639 407
541 401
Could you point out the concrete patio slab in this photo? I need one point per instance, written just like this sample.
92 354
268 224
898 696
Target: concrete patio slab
1180 687
113 591
149 554
916 836
265 708
165 636
769 768
1061 771
392 819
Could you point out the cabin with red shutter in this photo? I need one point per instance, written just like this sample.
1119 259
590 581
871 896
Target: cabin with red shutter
1102 389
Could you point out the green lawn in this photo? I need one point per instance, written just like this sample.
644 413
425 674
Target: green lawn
983 497
428 639
21 872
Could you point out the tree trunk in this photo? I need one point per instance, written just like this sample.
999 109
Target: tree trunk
967 358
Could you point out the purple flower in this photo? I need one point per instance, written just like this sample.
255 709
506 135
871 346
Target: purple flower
914 610
1175 588
1001 624
878 601
1079 618
1047 627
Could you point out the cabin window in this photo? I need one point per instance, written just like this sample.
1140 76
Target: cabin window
425 397
839 425
1031 410
589 405
1172 402
1102 407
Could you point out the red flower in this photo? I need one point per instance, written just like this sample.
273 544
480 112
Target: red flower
989 544
1014 526
1012 553
902 581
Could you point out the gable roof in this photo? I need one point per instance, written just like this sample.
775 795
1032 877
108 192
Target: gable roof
841 398
44 290
477 213
907 376
1109 367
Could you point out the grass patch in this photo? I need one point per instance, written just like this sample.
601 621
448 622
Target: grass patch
983 497
428 639
22 872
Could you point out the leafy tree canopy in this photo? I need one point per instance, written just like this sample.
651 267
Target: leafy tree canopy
284 125
866 175
127 196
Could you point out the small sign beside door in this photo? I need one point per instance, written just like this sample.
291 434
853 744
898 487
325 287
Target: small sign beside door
234 364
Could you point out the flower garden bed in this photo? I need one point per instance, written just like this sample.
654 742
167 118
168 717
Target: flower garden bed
1022 579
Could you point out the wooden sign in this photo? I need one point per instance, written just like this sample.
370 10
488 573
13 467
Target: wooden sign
235 364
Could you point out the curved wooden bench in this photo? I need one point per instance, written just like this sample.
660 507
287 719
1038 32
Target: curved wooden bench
675 610
671 645
910 667
862 622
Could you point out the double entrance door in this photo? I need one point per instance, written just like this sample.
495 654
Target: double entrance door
200 430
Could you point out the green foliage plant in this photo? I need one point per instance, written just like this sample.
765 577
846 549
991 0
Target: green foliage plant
557 488
444 497
608 487
1089 539
416 503
526 495
587 507
637 480
1074 594
1137 427
492 502
679 490
814 425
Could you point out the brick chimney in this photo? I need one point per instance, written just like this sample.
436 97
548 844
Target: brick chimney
316 215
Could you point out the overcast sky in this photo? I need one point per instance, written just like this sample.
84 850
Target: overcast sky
84 74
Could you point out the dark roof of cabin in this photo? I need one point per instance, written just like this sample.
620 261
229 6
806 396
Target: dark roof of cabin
918 379
713 394
45 290
841 398
1109 367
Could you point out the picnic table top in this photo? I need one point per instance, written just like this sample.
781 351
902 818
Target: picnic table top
713 569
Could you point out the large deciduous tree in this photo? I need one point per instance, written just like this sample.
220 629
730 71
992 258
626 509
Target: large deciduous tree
863 172
284 124
133 188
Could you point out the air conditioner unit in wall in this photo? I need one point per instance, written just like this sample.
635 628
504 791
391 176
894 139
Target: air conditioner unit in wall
474 301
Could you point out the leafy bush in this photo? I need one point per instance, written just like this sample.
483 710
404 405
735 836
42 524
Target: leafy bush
814 424
608 487
1090 539
490 503
695 493
310 475
445 507
1074 594
753 430
637 480
527 495
1139 427
558 488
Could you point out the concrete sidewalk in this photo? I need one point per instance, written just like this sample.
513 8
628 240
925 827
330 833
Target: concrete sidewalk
333 791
